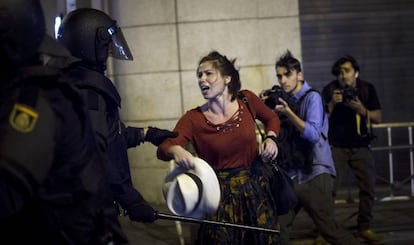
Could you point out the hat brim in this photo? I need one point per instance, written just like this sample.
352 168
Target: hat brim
210 191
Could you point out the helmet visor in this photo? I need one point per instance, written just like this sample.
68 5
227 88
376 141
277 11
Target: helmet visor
118 48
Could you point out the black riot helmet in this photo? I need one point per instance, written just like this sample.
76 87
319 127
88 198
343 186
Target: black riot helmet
22 28
92 35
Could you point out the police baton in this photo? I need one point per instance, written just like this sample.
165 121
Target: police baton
211 222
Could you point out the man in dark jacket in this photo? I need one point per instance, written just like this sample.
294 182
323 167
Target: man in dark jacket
52 178
91 35
353 105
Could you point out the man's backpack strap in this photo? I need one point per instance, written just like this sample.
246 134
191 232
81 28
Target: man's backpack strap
323 117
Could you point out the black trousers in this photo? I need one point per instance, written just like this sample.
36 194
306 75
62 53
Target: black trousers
316 198
362 164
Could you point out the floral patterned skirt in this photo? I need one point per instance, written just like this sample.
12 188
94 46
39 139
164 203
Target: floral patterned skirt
246 200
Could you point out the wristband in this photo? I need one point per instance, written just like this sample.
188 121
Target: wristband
272 137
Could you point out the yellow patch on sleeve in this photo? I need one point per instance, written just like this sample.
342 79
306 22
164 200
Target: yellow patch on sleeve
23 118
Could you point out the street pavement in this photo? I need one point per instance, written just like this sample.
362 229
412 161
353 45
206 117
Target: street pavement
394 219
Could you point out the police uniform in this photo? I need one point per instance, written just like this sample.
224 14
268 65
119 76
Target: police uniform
114 138
91 36
52 180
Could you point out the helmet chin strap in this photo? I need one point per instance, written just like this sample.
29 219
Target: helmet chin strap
102 42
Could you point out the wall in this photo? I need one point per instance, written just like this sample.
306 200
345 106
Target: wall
378 33
168 37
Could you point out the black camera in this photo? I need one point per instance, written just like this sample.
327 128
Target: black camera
273 96
348 94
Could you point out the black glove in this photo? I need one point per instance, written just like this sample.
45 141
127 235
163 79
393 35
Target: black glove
142 212
156 136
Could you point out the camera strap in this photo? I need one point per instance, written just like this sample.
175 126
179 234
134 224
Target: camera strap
368 123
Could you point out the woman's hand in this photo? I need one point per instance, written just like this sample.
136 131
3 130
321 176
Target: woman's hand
182 157
269 148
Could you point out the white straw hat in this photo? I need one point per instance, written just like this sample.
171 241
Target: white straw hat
192 192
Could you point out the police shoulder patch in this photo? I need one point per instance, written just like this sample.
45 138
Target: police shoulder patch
23 118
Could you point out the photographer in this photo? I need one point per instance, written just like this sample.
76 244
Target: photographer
353 105
313 184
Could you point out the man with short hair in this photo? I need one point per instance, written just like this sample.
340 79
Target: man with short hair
353 105
313 181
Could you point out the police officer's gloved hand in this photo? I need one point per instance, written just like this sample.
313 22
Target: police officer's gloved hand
142 212
156 136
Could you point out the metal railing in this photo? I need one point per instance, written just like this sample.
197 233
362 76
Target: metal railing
390 148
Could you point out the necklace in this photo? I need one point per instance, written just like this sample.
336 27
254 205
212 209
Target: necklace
232 123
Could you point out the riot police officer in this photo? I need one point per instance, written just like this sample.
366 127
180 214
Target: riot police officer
91 35
52 179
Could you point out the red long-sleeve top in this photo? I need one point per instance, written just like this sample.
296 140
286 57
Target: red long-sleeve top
224 146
